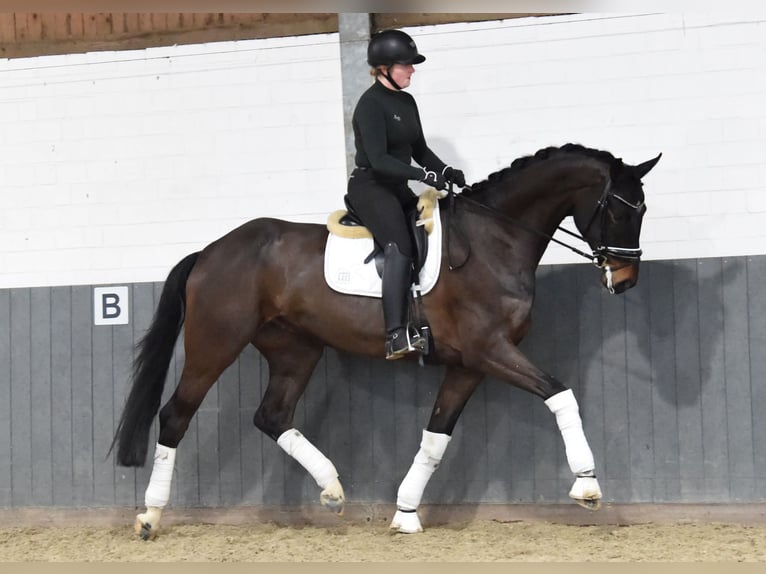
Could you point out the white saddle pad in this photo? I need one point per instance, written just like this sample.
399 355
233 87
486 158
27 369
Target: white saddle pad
346 272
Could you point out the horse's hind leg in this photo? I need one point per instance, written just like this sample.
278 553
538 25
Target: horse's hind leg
292 358
206 359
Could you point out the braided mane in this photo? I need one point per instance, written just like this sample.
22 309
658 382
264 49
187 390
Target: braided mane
523 162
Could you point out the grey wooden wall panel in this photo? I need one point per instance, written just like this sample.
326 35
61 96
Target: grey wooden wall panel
383 429
664 414
738 391
756 297
500 434
639 395
616 408
82 396
61 395
474 437
21 406
517 449
362 471
103 413
6 465
40 397
665 375
713 383
685 315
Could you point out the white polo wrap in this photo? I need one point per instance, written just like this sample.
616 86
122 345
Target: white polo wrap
309 457
579 455
158 491
432 448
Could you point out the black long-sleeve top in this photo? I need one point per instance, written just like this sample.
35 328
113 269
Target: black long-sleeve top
388 135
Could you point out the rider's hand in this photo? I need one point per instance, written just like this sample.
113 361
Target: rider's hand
434 179
454 175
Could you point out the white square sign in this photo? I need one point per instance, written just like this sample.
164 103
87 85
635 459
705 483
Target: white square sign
111 306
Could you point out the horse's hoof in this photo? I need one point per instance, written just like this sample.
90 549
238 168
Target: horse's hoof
586 492
144 530
334 505
333 498
406 522
590 504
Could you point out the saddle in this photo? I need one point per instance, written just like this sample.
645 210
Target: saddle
346 223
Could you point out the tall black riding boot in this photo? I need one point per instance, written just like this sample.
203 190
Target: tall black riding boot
397 279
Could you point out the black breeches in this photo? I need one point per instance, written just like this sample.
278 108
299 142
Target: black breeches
381 210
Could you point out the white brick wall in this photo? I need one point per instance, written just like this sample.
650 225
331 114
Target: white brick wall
692 86
114 165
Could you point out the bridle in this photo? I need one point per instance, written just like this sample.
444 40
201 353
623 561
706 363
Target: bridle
603 249
600 254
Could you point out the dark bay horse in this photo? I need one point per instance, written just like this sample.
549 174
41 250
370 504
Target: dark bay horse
263 284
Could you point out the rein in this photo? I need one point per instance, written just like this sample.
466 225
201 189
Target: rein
593 258
597 256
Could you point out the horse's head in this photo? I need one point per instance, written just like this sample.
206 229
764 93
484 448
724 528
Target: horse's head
613 227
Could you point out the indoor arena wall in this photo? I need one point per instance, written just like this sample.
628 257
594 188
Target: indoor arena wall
115 165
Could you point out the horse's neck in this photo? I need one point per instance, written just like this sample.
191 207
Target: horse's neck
540 198
545 193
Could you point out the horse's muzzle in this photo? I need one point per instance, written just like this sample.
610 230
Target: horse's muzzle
619 275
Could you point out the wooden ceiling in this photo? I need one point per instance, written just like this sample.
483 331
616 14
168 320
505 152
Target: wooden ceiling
24 34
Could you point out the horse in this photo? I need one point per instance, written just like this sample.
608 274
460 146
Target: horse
262 284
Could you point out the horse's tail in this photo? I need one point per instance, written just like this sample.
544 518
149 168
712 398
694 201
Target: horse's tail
150 367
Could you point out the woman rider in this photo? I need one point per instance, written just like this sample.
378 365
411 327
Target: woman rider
388 135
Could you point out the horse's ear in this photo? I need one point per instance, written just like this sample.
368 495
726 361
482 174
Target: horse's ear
642 169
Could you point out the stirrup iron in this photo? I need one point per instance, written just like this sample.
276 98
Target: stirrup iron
403 341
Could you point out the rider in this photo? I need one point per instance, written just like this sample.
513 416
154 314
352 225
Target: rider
388 135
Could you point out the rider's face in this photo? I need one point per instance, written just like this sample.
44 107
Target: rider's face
401 74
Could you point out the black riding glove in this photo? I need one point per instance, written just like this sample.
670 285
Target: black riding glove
454 175
434 179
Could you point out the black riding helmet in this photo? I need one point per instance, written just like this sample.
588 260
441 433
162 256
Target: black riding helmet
391 47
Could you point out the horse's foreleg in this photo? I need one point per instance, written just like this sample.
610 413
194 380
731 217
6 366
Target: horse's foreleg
504 361
454 393
291 361
585 491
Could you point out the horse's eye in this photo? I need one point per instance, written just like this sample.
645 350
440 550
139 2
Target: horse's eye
618 215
